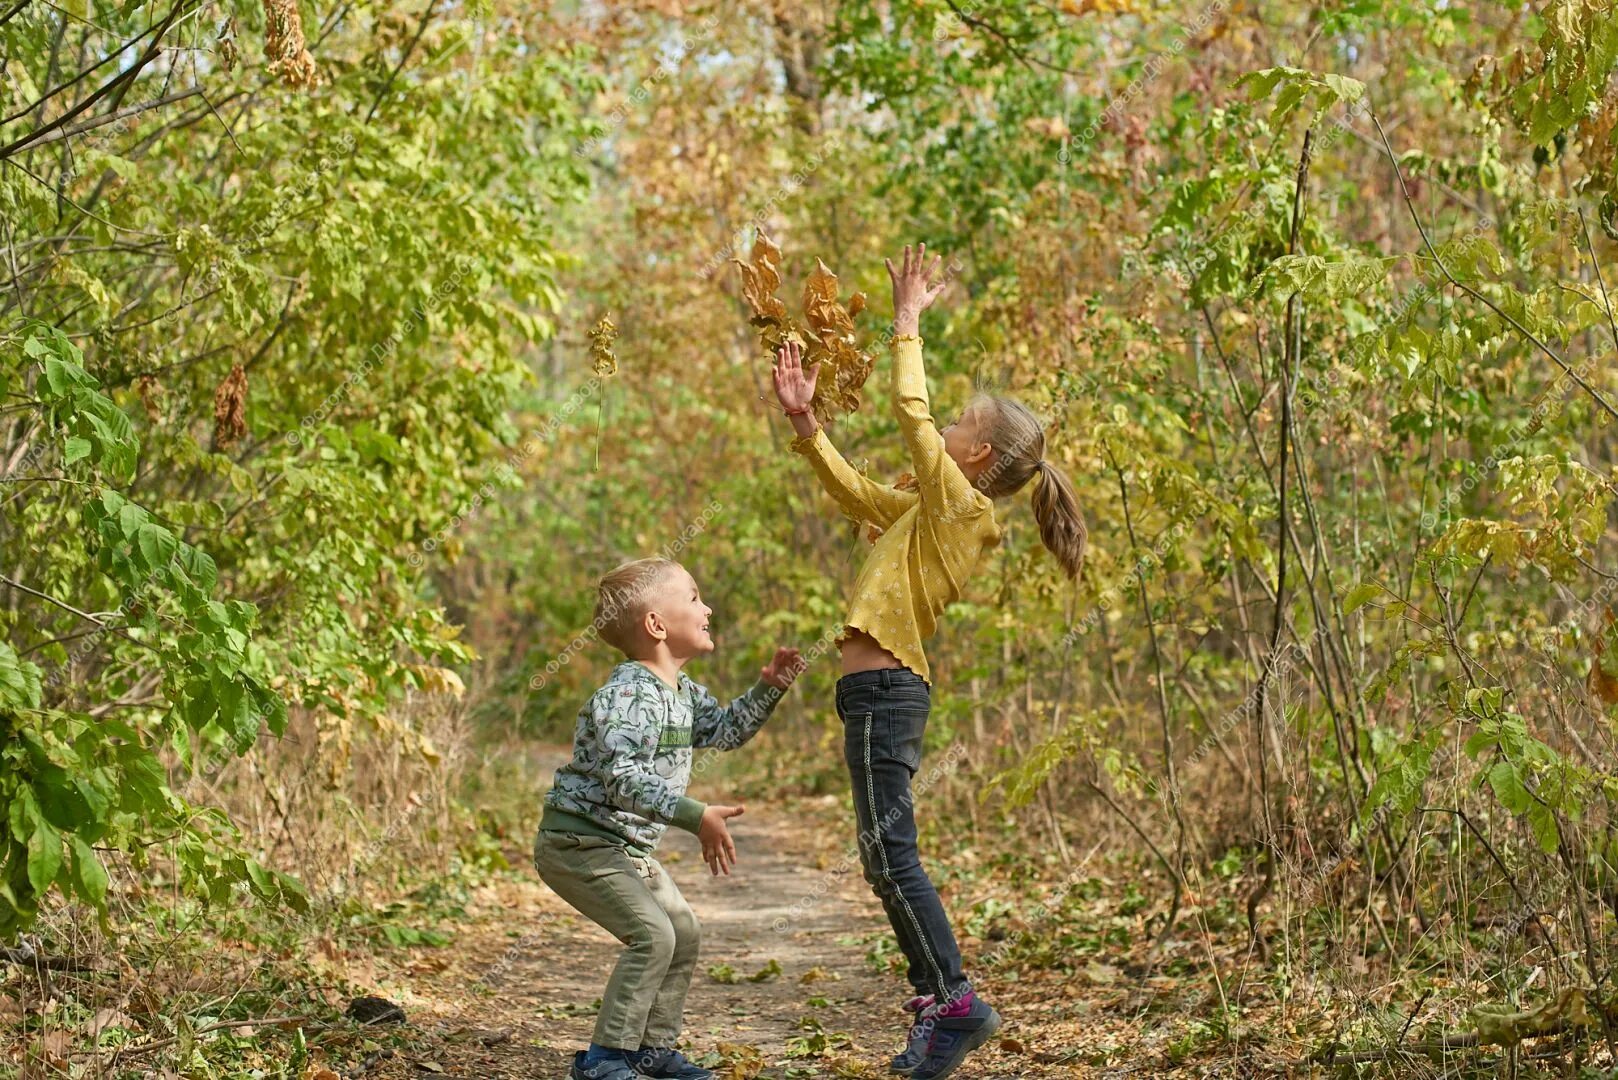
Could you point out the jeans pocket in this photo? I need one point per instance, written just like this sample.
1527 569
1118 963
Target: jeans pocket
907 730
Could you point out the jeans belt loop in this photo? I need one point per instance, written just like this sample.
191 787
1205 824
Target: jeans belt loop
887 678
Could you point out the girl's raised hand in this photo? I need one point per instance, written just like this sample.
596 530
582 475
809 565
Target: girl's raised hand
914 287
794 387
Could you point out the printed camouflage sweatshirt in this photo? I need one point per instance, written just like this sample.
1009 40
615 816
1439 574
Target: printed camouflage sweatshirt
632 754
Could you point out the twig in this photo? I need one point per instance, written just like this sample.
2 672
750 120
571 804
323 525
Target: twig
114 87
29 958
15 10
85 615
1012 47
113 118
1288 357
1163 709
404 58
158 1044
1595 263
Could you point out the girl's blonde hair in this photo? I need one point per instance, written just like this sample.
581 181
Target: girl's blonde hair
1019 456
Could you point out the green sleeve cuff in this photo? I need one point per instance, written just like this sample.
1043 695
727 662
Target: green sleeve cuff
804 444
770 695
688 814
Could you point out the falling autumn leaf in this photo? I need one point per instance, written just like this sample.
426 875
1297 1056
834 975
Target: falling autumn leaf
602 359
826 333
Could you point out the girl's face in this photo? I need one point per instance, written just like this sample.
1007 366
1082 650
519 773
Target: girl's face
963 441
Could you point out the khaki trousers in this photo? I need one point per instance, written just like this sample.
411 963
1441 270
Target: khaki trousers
634 900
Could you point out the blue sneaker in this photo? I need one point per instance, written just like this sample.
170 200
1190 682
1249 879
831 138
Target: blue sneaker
613 1068
917 1038
666 1064
954 1037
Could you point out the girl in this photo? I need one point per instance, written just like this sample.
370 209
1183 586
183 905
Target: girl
933 539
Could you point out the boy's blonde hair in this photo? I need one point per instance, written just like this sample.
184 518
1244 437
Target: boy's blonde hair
622 599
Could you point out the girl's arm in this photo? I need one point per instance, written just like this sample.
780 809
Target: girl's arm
859 496
943 486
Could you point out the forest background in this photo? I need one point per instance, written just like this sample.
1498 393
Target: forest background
309 461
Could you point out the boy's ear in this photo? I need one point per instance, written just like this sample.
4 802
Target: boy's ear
652 623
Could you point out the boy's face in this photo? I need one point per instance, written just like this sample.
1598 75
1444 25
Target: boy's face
679 616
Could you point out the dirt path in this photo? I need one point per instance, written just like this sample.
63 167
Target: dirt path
514 994
792 903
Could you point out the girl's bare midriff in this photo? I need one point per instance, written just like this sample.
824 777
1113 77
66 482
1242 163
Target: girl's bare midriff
862 652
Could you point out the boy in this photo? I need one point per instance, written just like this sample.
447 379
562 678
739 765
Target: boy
626 783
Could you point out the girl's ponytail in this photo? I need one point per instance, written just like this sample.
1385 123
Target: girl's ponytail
1019 445
1056 509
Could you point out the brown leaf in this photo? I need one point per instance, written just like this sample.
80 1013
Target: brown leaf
110 1018
285 47
150 392
761 276
229 409
602 359
742 1062
827 331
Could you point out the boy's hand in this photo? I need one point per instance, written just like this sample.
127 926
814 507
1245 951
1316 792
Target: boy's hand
794 387
718 849
913 288
784 670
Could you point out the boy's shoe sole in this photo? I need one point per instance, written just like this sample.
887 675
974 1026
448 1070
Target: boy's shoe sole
983 1034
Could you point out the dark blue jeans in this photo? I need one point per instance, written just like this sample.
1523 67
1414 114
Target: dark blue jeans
884 716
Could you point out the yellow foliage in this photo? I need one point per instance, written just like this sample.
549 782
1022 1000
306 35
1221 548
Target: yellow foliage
826 331
602 359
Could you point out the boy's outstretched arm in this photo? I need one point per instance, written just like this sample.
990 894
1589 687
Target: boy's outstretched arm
860 497
729 726
940 481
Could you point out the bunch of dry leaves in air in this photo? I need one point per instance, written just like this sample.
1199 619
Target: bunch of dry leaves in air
826 331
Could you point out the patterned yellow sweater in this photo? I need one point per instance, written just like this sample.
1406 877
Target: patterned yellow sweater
934 536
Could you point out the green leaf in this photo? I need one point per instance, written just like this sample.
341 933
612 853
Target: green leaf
89 876
1542 820
44 857
75 449
263 884
1360 595
155 544
1508 787
19 680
